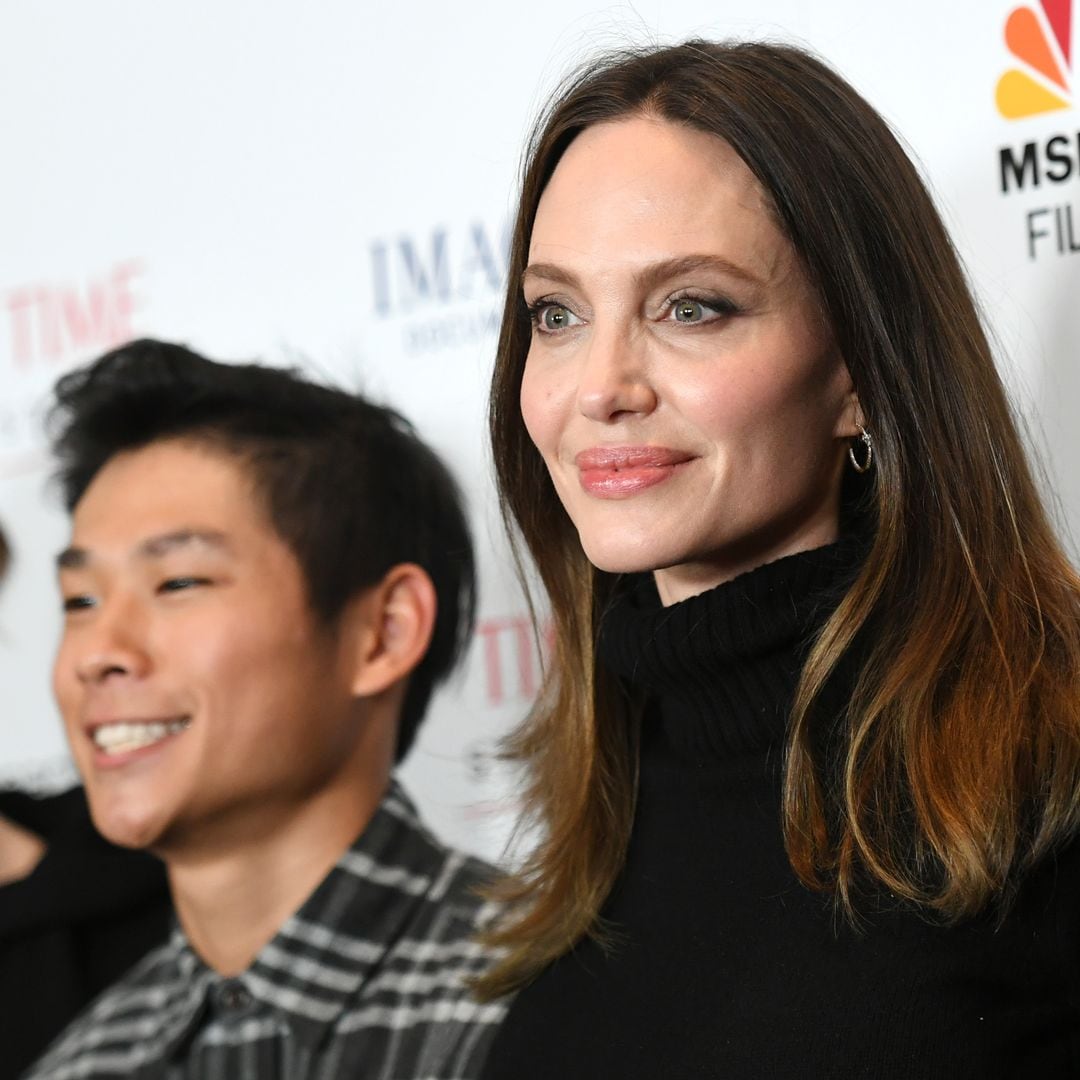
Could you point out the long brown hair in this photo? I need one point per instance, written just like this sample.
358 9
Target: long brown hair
958 763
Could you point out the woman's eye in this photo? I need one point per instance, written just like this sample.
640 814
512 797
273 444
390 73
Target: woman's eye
77 603
687 309
551 318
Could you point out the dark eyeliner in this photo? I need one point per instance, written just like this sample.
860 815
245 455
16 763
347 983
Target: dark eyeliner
722 305
537 306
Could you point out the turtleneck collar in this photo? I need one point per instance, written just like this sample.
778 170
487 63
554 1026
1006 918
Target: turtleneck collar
723 666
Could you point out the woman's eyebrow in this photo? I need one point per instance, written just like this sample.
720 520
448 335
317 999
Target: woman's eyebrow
651 275
549 272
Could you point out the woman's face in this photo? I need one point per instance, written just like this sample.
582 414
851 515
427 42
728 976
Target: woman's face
681 383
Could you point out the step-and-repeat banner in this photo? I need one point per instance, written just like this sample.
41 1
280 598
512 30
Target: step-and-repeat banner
330 185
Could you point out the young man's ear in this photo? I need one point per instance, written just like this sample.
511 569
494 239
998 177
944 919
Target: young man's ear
397 617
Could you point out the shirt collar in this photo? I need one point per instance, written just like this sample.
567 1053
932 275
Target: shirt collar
318 961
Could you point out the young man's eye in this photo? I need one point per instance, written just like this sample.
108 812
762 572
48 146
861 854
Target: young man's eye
177 584
77 603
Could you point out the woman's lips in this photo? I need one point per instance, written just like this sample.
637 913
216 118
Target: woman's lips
617 472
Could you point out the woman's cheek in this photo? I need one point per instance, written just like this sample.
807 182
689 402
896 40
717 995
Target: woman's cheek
539 410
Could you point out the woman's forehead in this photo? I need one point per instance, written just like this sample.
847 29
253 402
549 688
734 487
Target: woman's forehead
641 189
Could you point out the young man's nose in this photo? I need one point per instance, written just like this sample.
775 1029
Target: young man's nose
113 644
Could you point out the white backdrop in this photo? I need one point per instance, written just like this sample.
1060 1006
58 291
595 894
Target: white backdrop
331 183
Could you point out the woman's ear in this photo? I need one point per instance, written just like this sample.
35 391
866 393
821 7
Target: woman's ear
396 618
850 423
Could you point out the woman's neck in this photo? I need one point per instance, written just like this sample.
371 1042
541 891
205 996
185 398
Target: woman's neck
723 666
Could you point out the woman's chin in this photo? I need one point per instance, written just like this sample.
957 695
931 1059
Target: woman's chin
622 558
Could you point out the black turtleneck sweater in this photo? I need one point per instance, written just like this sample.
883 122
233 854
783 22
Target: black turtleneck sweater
724 965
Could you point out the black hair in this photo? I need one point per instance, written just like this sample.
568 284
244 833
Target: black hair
347 484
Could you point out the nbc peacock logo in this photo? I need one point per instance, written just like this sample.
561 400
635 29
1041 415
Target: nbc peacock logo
1040 38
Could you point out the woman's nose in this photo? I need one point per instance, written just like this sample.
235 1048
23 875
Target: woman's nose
614 380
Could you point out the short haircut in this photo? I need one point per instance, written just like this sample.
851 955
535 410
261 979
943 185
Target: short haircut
347 484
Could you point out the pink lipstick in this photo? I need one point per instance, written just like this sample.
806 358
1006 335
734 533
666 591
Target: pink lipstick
618 472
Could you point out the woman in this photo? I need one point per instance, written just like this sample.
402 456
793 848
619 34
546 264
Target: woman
807 758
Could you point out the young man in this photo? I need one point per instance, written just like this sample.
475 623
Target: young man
265 580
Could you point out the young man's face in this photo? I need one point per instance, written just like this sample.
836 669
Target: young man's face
197 690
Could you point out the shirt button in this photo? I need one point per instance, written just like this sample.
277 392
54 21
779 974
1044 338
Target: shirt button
234 996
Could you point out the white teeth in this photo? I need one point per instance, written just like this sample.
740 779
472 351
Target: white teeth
120 738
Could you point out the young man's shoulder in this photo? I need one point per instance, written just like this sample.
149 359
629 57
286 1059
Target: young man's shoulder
374 968
113 1034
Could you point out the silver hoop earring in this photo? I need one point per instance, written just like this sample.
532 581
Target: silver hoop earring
869 444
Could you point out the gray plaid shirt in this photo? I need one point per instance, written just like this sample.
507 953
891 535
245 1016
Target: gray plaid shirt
365 980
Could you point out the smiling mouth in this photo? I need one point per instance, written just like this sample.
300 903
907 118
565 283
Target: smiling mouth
124 736
619 472
622 458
